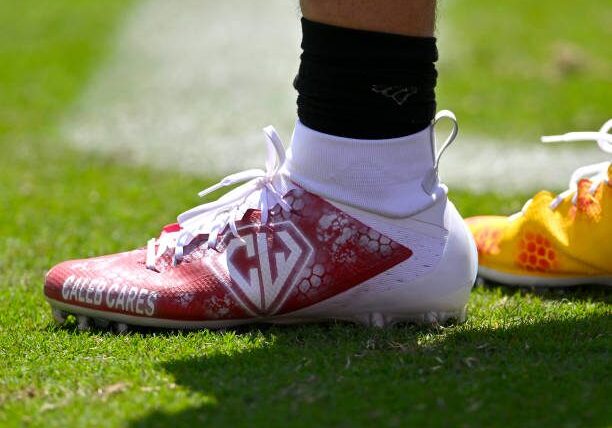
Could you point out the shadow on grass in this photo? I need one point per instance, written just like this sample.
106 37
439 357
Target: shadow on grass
549 373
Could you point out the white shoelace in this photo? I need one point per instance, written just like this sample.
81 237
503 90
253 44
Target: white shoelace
212 218
597 173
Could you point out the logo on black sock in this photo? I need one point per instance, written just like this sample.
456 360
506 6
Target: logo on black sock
399 94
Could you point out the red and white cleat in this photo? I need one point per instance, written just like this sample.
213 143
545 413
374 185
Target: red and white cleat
270 251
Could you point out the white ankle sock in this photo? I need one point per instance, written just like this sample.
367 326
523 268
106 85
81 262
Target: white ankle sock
392 177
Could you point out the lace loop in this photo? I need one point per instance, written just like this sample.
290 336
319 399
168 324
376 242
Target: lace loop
596 173
431 180
445 114
602 137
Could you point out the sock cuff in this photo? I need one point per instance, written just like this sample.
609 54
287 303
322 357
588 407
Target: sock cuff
383 176
330 40
365 84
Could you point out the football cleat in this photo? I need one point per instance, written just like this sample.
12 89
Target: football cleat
559 240
271 251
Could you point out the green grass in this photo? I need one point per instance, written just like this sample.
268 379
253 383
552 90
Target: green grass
522 359
518 69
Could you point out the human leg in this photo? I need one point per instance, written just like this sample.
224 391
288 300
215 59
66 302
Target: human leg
405 17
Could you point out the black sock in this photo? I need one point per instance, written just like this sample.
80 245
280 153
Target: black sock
363 84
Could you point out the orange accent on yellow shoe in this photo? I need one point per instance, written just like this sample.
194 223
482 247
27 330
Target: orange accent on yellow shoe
486 240
535 253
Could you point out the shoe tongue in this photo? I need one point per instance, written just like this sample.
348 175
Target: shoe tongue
282 185
247 213
196 248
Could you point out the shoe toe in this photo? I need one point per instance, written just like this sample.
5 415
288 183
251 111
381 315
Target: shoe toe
88 273
56 277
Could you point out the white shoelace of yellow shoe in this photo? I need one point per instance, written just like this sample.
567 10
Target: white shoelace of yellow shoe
215 216
597 173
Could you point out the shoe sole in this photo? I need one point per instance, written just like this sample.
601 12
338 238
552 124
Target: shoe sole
541 281
120 323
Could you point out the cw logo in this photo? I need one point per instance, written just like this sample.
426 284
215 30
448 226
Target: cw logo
265 264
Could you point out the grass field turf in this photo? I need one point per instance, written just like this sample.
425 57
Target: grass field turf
522 359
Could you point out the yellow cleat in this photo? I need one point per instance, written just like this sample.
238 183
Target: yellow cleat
554 241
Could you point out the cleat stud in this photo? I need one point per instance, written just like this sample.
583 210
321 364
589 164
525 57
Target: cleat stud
101 322
121 328
431 318
83 322
377 320
59 316
445 318
462 316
